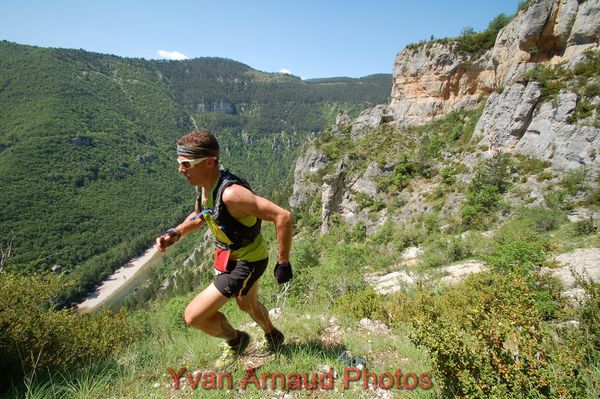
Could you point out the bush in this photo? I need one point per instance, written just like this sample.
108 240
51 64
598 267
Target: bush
587 226
34 334
492 178
555 199
594 197
551 79
538 219
529 165
574 180
431 222
175 308
358 232
443 251
486 340
448 176
584 109
515 250
472 42
360 304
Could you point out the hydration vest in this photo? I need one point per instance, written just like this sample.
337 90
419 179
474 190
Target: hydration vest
238 233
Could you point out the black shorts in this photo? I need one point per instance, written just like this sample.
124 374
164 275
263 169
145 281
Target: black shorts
240 278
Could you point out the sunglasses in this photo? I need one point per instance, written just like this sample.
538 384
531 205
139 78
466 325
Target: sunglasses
188 163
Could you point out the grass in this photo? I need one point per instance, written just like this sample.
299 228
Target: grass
314 342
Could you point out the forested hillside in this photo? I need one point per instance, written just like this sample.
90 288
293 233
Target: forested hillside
87 164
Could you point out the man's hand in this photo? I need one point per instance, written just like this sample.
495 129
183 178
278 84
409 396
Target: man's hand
283 272
169 238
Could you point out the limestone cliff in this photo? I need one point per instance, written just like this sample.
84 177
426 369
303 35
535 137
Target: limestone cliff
434 78
519 116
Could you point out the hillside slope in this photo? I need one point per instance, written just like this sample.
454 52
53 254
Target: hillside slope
87 146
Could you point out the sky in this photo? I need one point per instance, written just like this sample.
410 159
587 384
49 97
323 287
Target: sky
309 38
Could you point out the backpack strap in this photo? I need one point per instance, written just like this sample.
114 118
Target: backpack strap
239 234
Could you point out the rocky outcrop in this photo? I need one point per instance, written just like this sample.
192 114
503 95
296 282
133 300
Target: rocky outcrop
512 121
548 30
580 265
506 116
370 119
309 164
331 195
218 106
433 79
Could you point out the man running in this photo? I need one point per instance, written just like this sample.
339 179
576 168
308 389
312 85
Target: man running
233 213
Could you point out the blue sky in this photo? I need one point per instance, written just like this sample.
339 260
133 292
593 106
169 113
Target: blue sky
310 38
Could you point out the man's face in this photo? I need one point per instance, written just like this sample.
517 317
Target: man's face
194 169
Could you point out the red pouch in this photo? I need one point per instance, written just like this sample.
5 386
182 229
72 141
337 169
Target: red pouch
221 259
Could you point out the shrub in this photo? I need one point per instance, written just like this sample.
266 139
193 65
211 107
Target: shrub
339 270
590 67
592 90
555 199
37 335
175 308
573 181
385 234
431 222
403 171
492 178
589 315
586 226
552 79
360 304
584 109
529 165
358 232
442 251
594 197
538 219
545 175
486 340
472 42
448 176
514 250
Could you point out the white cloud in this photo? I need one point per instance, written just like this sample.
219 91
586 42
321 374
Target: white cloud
171 55
283 70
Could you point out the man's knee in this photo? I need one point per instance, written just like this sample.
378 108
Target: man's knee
192 317
246 305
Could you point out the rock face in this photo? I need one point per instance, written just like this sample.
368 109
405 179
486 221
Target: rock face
434 79
370 119
308 166
509 123
331 195
218 106
548 30
583 263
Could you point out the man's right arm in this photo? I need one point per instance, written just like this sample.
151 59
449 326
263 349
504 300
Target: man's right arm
191 223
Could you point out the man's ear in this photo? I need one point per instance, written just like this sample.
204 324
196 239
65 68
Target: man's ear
211 161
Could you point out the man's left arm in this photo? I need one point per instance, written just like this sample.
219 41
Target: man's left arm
242 202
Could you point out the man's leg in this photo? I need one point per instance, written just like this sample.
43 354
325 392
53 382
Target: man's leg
274 338
203 314
250 304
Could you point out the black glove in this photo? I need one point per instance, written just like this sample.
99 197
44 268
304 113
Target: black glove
283 272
